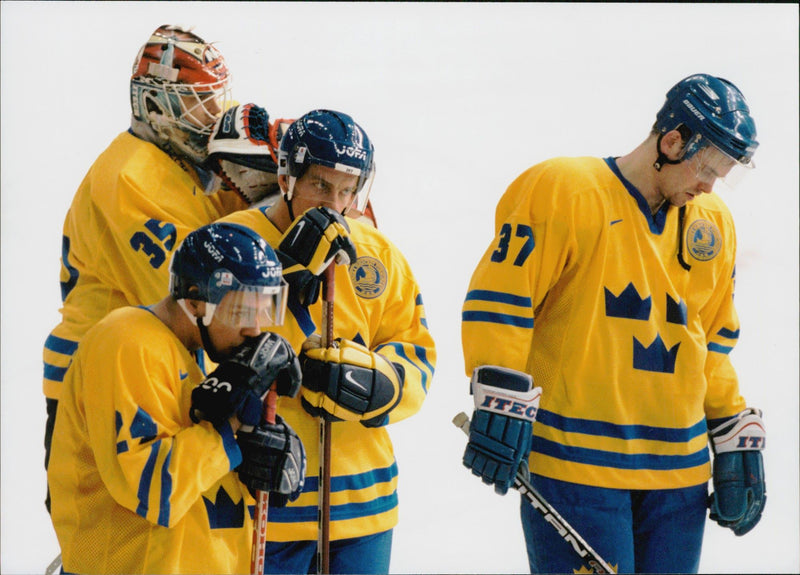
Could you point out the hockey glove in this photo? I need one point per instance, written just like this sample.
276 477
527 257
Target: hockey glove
241 152
238 385
740 491
349 382
274 460
502 424
309 245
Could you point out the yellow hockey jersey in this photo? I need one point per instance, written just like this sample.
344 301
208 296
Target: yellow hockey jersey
136 487
377 304
131 211
624 318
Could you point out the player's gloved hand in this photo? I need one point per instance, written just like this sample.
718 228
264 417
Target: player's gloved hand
274 460
309 245
241 152
349 382
238 385
502 424
740 491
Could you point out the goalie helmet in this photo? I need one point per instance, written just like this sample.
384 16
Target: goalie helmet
331 139
709 111
179 86
221 258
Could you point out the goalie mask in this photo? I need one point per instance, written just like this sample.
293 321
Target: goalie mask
233 270
714 121
331 139
179 87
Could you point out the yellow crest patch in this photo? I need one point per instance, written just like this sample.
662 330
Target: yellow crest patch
369 277
703 240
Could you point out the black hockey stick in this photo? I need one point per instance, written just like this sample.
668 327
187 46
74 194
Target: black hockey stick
549 514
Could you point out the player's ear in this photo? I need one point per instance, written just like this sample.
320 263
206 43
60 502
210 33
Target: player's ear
672 144
196 307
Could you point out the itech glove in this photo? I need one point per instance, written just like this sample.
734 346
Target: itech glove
502 424
349 382
309 245
740 491
238 384
274 460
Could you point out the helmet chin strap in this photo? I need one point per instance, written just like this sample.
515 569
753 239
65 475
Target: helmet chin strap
662 158
213 352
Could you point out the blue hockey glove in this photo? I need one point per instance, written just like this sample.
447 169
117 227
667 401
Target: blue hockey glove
238 385
740 491
309 245
274 460
502 424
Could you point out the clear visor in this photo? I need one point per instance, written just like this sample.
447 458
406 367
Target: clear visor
348 196
710 164
201 104
250 306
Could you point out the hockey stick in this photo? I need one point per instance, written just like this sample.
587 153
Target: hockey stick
549 514
324 511
262 499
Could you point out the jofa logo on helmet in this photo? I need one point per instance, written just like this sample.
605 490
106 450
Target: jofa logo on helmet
350 151
213 251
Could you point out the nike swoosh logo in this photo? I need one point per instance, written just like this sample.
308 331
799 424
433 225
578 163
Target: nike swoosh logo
183 374
300 225
348 375
615 222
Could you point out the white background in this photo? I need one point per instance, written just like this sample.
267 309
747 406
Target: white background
458 99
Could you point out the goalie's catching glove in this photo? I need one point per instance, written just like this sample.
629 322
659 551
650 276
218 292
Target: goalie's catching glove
740 491
274 460
349 382
502 424
241 152
238 385
309 245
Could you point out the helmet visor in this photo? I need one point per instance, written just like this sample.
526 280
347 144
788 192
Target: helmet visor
252 306
711 164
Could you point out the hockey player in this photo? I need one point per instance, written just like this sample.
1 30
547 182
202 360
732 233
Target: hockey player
142 468
609 284
146 191
380 368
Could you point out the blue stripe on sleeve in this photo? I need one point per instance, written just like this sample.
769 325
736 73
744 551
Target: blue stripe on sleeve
501 318
54 373
421 354
60 345
497 296
726 333
726 349
166 491
146 479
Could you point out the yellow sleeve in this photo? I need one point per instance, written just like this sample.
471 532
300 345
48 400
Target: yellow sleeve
531 248
152 459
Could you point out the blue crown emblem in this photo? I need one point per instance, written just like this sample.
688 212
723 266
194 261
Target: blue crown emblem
369 277
703 240
656 357
629 304
676 311
224 513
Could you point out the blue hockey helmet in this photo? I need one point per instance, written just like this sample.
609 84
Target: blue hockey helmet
221 259
331 139
713 112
